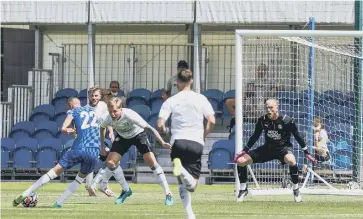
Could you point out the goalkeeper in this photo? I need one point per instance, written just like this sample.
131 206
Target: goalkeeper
278 130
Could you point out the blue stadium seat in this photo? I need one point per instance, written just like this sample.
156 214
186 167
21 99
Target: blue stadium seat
227 144
48 125
83 93
67 92
214 94
21 129
156 105
51 142
5 157
64 137
59 118
142 110
39 118
44 108
8 143
30 143
153 118
46 157
219 158
140 96
7 147
60 104
23 157
157 94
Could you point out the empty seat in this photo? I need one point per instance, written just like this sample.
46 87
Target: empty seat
221 155
67 92
23 157
59 118
48 125
60 104
142 110
44 108
213 94
8 143
21 130
64 137
30 143
156 105
51 142
84 101
157 94
83 93
138 96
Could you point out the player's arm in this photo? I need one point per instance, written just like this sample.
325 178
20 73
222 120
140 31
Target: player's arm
67 122
164 115
209 115
139 121
103 127
254 137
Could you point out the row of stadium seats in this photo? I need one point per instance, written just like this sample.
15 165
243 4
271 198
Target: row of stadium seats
30 153
49 129
223 151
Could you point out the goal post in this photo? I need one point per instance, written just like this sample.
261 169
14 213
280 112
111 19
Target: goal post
335 93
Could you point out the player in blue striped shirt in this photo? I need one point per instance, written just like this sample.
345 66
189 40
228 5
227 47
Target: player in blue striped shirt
84 151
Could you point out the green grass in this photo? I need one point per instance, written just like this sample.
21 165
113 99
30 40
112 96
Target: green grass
147 201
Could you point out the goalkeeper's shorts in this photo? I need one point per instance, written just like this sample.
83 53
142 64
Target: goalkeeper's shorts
267 153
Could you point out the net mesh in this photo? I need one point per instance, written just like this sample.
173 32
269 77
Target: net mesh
278 67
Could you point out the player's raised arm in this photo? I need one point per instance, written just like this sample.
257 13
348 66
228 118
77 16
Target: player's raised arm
254 137
139 121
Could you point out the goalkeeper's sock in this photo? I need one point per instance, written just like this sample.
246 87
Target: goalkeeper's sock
187 200
40 182
70 190
294 174
242 174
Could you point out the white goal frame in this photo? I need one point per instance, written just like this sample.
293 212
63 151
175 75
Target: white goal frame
239 34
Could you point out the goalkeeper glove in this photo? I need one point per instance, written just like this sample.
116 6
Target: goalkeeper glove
244 151
310 158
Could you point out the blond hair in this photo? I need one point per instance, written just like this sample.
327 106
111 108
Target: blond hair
115 102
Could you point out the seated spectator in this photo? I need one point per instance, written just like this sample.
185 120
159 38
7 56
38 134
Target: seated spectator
115 89
320 148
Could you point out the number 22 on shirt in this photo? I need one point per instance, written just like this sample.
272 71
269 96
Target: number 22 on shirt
89 119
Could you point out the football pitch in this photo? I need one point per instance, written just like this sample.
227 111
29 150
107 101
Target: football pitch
147 201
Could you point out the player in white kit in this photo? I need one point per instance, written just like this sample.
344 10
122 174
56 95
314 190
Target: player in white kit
131 129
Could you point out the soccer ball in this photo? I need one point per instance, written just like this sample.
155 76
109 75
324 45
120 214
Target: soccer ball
31 200
352 185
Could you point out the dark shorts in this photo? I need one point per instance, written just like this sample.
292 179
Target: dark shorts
122 145
190 154
267 153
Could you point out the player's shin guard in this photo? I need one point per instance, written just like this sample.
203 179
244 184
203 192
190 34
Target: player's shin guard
242 176
294 173
89 179
70 190
158 171
40 182
186 200
119 176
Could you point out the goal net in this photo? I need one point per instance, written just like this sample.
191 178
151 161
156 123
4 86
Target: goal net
314 75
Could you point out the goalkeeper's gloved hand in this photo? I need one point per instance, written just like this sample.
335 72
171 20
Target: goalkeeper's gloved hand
310 158
244 151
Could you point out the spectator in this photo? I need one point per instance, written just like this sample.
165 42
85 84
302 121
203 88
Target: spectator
172 87
320 149
115 89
